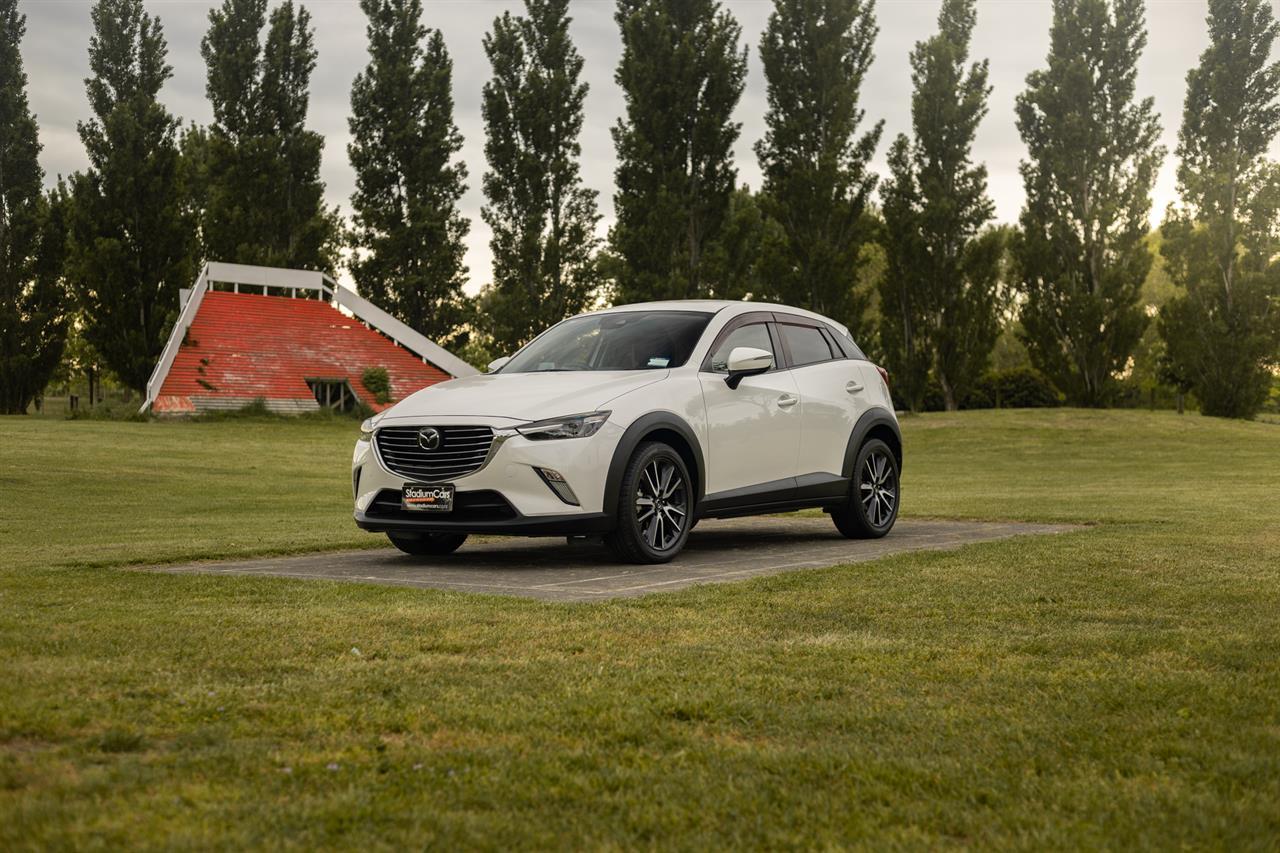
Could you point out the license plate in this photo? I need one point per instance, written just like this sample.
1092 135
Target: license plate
427 498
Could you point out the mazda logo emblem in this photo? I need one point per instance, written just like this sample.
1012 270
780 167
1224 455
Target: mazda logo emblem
429 438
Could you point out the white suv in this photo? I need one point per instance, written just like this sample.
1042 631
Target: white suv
632 424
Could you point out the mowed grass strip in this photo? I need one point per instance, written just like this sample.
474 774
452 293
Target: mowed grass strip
1113 687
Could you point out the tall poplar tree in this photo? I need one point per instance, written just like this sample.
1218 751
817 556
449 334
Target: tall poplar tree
543 218
816 180
407 235
1081 253
940 296
33 297
1222 244
681 74
131 238
264 199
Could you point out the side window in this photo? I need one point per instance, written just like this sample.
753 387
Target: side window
806 344
754 335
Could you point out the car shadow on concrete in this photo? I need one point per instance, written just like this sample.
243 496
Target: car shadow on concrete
555 570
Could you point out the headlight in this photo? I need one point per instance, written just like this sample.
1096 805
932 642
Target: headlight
570 426
366 430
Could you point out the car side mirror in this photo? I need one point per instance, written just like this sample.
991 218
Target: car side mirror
747 361
498 363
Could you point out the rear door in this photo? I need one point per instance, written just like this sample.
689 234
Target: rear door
753 431
832 395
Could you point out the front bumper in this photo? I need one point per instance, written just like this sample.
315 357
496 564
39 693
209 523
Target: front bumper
509 478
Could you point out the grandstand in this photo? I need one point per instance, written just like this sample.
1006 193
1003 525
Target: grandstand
294 339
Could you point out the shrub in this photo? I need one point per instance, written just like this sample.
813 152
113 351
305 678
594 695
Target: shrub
980 397
1020 388
378 383
933 400
1016 388
257 408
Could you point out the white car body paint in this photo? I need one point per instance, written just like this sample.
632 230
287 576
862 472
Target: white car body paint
786 423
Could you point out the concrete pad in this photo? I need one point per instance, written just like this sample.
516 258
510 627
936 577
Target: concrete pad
552 570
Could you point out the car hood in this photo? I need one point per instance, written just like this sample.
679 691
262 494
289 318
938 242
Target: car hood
522 396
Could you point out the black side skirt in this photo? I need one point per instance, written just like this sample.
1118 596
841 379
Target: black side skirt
803 492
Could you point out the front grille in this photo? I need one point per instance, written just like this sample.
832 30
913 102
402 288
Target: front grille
485 505
462 451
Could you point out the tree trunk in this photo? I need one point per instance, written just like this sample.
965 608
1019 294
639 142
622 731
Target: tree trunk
948 394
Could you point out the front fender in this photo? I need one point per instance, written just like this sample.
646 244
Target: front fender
631 438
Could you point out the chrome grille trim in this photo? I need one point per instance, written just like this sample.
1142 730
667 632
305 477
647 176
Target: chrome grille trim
463 450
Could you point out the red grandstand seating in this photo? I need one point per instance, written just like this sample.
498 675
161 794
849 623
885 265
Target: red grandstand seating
241 347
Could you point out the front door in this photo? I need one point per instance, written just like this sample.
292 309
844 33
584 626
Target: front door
753 431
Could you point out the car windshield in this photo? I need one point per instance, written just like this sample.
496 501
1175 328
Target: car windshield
625 340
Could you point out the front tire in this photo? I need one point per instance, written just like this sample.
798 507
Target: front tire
655 506
874 494
427 544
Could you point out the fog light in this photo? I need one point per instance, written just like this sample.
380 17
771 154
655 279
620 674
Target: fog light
556 482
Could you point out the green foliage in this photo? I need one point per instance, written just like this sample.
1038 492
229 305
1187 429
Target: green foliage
1222 243
749 254
681 74
815 54
940 297
1272 405
131 235
543 218
1009 351
106 409
33 295
1081 255
257 408
407 232
377 381
479 348
1019 388
258 167
1014 388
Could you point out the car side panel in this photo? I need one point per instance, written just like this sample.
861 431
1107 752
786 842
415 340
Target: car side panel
832 397
753 430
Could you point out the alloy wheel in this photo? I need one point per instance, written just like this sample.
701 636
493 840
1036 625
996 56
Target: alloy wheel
879 492
662 504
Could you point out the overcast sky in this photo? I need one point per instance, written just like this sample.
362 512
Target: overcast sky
1012 34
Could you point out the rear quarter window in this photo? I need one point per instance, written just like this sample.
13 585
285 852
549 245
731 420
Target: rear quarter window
846 344
806 345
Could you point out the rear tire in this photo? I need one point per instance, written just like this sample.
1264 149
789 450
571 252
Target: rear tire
427 544
874 494
655 506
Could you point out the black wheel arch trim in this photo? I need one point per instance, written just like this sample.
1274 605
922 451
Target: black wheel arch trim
631 438
870 420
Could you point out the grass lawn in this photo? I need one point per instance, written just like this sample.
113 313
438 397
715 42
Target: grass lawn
1114 687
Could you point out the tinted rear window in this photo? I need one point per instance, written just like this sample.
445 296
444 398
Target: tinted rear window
806 345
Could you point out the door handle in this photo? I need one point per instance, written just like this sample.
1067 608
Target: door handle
853 386
786 401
